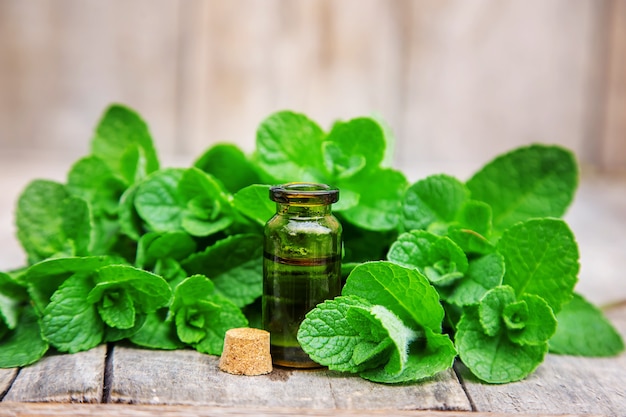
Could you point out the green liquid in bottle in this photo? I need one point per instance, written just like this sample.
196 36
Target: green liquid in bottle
293 287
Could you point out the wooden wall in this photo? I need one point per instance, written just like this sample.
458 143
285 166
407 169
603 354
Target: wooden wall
457 81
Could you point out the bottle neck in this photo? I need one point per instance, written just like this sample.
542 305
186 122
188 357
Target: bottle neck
297 210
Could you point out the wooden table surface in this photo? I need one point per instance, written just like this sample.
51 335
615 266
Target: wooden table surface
127 381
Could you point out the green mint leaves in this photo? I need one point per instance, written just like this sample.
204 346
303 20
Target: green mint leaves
386 326
503 265
168 258
505 338
291 146
203 316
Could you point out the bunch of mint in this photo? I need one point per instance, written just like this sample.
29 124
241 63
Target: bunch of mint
170 258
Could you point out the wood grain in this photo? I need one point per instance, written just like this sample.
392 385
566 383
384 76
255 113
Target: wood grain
190 378
6 379
67 378
95 410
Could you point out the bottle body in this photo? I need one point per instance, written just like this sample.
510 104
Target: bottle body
301 268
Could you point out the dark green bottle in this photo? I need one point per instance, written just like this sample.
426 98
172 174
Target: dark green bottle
301 264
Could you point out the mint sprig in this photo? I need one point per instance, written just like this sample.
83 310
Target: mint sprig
386 326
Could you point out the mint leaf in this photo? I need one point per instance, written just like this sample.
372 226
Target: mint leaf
208 209
528 182
156 247
423 361
349 333
202 316
147 291
12 296
472 228
234 265
158 332
527 320
379 199
362 245
254 202
24 345
541 258
530 321
494 359
157 201
117 310
129 221
91 179
288 148
433 202
405 292
227 163
50 222
70 323
482 274
117 333
491 309
353 146
44 278
123 141
437 257
183 200
584 330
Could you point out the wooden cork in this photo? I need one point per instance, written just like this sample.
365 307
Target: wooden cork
246 352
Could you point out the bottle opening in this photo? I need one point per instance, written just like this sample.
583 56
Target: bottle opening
304 193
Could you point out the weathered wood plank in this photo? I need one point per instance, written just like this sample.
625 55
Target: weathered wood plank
6 379
78 377
562 384
190 378
96 410
443 392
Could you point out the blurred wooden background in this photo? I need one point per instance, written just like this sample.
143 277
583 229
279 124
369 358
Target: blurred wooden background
458 81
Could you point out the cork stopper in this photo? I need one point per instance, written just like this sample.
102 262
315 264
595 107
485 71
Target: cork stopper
246 352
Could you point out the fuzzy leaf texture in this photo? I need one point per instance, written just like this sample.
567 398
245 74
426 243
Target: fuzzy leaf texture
338 332
405 292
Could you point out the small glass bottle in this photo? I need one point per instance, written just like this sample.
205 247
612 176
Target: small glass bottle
301 264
